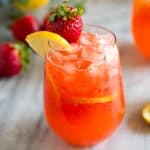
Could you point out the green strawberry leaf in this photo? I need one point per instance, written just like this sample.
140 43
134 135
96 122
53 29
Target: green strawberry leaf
25 53
81 6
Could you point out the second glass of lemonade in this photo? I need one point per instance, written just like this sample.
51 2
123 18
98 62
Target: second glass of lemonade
83 90
141 25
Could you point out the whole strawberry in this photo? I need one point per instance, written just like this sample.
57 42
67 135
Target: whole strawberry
13 58
66 21
24 26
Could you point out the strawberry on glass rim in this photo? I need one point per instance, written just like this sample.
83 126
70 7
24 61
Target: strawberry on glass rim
66 21
83 91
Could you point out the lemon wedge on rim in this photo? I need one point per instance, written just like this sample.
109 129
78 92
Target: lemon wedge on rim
146 113
44 41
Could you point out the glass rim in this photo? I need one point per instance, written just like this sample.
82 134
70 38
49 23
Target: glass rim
48 58
105 29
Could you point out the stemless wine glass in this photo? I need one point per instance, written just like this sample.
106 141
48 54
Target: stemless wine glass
141 25
83 96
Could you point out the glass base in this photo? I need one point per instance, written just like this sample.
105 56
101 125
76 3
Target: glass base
82 145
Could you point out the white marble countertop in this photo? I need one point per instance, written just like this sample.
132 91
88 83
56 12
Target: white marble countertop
22 126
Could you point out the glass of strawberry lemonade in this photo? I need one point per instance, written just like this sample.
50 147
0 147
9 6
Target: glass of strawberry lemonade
83 91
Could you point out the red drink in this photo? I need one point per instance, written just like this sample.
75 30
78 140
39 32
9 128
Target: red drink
83 92
141 25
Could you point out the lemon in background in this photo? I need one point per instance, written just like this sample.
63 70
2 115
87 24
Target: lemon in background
26 5
146 113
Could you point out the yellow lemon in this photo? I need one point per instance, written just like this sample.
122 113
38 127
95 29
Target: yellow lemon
43 41
146 113
26 5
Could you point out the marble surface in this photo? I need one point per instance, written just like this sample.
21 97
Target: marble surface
22 125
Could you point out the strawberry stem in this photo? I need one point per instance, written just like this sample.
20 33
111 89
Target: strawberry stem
65 11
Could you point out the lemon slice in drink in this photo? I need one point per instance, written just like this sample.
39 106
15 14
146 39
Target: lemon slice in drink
43 41
92 100
146 113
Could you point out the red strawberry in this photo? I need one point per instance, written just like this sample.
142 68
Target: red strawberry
66 21
13 57
24 26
